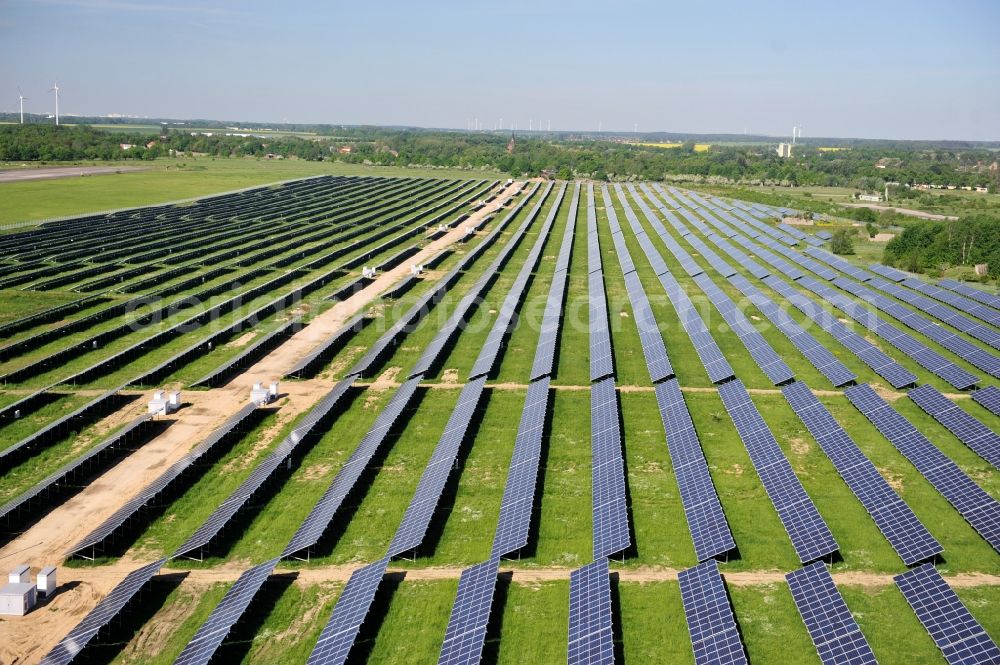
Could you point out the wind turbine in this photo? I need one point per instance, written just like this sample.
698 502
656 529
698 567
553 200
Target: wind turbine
55 89
21 98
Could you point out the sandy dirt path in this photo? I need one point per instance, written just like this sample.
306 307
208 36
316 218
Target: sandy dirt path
27 639
903 211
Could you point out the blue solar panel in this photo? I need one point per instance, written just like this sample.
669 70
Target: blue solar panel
989 398
961 639
590 640
519 491
470 614
601 358
907 535
715 637
809 534
552 317
418 515
833 630
966 350
959 302
212 633
111 526
977 436
990 299
337 638
611 530
706 520
978 508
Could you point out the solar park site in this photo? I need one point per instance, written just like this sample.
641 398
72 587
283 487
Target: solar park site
560 422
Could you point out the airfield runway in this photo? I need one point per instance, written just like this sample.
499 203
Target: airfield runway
21 175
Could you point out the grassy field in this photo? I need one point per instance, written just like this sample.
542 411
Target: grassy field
171 179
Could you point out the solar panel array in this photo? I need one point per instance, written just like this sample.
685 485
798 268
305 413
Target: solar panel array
705 518
880 362
832 628
894 518
818 355
806 528
337 637
214 525
957 320
464 640
927 357
591 640
966 350
923 355
715 637
961 639
760 350
466 632
983 297
970 431
369 363
54 431
959 302
64 477
106 610
887 272
977 507
708 351
433 351
989 398
211 633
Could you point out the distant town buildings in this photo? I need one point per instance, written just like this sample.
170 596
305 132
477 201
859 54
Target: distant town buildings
784 150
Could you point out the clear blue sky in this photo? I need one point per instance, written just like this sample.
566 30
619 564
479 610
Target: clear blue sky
890 69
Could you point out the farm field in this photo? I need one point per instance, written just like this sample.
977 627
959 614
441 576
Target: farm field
593 405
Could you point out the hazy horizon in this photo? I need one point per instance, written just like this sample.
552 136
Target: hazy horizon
895 71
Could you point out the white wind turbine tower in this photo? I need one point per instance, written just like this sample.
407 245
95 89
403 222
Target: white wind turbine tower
21 98
55 89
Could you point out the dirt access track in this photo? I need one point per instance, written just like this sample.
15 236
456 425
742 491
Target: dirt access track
27 639
902 211
24 175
